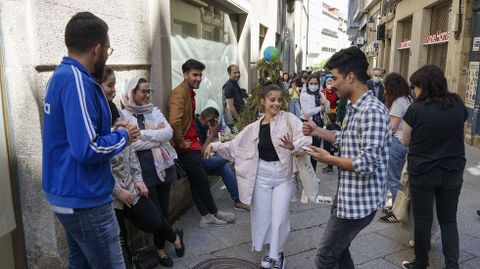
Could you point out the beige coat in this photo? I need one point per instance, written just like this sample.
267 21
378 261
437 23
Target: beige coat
243 150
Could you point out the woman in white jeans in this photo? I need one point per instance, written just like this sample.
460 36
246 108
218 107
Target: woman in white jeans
263 155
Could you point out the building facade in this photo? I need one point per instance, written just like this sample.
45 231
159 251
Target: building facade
151 39
412 33
327 32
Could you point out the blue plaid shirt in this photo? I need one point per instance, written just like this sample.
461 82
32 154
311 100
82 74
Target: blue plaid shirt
365 138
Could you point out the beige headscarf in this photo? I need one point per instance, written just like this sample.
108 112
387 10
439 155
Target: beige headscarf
126 98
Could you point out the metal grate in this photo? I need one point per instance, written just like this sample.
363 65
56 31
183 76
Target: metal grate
437 53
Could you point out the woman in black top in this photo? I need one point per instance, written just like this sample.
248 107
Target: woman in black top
434 131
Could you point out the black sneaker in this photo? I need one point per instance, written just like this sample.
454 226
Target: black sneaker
181 251
411 265
279 263
165 261
389 218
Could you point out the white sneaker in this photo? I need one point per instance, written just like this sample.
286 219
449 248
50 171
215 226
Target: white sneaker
225 216
267 262
211 221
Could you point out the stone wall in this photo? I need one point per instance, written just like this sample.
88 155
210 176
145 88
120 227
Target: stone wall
32 34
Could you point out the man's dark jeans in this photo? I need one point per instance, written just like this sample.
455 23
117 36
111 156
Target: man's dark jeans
444 187
199 183
333 250
218 166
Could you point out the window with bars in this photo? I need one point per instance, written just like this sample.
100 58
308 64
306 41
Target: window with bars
437 52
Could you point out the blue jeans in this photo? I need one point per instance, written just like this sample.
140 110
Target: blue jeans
398 153
93 238
294 107
218 166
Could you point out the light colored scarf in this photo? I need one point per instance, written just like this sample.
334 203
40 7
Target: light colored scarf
126 97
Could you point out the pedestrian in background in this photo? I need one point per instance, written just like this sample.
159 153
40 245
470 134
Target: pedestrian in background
181 116
78 144
233 97
155 155
397 100
375 84
314 104
330 94
331 126
434 132
263 155
294 103
364 143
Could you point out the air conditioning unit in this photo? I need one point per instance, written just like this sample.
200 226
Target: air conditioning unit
360 40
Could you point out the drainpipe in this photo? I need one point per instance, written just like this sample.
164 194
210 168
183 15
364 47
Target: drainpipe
474 121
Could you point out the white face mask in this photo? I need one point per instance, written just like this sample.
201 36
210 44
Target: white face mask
313 87
376 80
329 87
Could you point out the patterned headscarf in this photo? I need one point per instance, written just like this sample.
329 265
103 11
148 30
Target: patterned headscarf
126 97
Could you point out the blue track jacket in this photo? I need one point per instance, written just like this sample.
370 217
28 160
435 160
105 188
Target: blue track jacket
77 141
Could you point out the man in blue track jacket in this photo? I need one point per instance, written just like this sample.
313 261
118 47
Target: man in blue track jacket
78 145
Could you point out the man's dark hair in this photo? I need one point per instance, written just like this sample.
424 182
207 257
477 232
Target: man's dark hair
230 67
192 64
350 60
210 112
84 31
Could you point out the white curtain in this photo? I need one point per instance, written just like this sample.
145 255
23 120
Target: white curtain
215 55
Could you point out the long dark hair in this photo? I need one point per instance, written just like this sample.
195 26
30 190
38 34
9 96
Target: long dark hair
434 87
395 87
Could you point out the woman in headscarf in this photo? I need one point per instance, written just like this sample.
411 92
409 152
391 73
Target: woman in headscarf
155 155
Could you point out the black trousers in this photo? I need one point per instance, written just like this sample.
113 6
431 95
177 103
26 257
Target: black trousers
199 184
317 142
147 215
444 187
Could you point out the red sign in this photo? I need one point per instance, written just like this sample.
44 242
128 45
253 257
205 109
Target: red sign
439 37
405 44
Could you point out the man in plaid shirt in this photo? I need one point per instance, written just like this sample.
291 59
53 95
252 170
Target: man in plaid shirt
364 147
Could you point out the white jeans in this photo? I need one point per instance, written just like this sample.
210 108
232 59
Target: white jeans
270 208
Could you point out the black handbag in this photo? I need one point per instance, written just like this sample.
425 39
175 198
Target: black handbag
146 258
174 172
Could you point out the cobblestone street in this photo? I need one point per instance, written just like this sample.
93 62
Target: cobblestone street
380 245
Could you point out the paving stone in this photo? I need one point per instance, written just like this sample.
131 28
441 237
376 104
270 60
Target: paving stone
303 240
471 264
371 246
302 260
309 218
377 264
436 259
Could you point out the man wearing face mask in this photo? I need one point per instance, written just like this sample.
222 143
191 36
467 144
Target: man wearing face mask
375 84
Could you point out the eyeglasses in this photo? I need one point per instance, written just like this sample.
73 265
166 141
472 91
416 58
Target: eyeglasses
110 51
213 121
146 91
